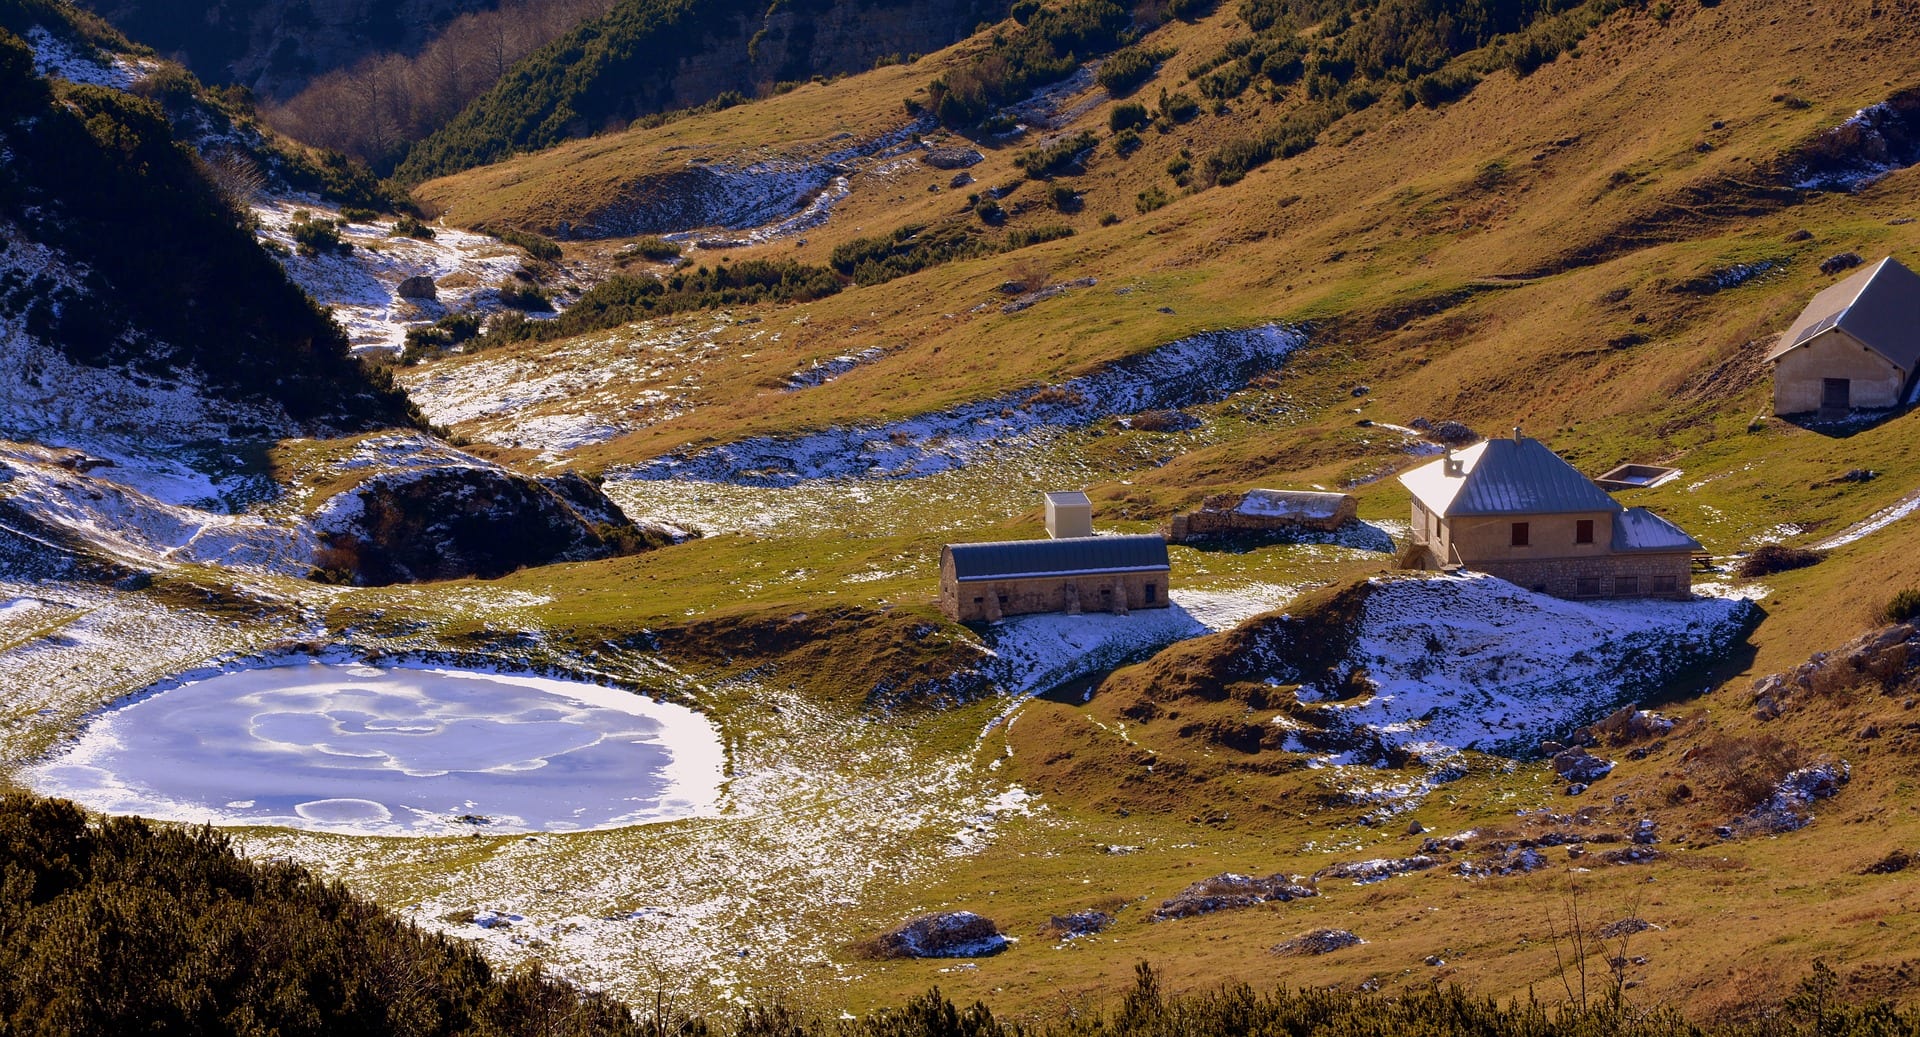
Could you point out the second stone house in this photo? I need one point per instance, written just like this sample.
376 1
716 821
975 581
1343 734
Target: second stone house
1514 509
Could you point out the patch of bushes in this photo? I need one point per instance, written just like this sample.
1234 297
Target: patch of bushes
652 248
1178 106
1060 157
1768 559
1128 115
526 298
118 926
1150 199
1128 67
1022 237
313 235
1437 88
443 334
624 298
1126 142
409 227
1741 771
1902 607
535 245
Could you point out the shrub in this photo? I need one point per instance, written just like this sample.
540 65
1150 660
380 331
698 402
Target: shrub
1443 87
990 212
1178 106
1021 238
1150 199
1125 143
1023 11
532 244
1741 771
1129 67
1063 198
1061 156
1775 558
1902 607
1130 115
525 298
313 235
408 227
653 247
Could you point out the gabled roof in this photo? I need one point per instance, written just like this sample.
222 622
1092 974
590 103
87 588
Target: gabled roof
1073 556
1879 305
1516 476
1637 529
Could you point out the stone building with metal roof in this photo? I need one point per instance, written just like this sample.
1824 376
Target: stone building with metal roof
1514 509
985 582
1857 344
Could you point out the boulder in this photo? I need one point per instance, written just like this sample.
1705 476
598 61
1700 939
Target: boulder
419 286
942 934
1228 891
1319 941
1580 766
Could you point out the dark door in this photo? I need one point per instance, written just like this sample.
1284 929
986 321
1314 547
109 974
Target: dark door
1833 394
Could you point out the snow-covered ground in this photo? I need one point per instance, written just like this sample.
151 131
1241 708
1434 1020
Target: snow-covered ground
362 286
1473 662
390 751
53 56
1190 370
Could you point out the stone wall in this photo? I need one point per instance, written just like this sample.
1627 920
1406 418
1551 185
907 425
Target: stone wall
1649 575
1222 515
987 601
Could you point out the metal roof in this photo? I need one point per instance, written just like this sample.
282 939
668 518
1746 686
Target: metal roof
1638 529
1059 497
1516 476
1878 305
1009 559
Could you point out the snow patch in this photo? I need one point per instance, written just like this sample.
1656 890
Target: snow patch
1187 371
53 56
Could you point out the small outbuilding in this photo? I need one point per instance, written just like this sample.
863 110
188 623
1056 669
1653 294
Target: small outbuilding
1069 514
1514 509
1857 344
1262 511
985 582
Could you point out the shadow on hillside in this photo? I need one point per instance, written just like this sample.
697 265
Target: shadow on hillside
1853 423
1710 674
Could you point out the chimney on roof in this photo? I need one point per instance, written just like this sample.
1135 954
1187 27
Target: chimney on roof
1453 465
1517 437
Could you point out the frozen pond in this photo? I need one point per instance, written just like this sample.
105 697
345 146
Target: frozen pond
392 751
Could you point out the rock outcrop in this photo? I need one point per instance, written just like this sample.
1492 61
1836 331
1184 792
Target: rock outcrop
452 522
943 934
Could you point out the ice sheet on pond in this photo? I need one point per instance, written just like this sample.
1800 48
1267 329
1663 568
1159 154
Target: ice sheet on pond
399 751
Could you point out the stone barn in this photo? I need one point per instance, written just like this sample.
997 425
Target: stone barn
1856 344
984 582
1262 511
1514 509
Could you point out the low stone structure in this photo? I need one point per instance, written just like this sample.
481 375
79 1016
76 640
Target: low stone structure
985 582
1512 508
1262 511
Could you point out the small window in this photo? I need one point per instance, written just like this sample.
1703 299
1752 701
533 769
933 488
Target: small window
1626 585
1583 531
978 601
1587 587
1149 593
1665 584
1520 534
1003 599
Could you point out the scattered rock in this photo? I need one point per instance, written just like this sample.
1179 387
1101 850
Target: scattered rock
952 158
1632 855
1516 861
419 286
1363 872
1415 828
1645 832
1802 234
1228 891
1319 941
1787 809
943 934
1446 843
1895 861
1843 261
1624 725
1078 924
1435 960
1858 475
1876 657
1627 927
960 180
1449 433
1581 767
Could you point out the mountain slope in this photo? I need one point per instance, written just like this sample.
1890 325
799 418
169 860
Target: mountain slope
636 61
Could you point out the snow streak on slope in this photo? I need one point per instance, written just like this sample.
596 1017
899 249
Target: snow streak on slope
1191 370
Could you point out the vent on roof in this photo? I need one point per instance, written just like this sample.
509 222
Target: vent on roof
1821 325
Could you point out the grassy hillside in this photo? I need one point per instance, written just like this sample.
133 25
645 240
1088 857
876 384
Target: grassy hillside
634 61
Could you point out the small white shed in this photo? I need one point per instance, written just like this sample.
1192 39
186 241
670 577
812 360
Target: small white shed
1069 514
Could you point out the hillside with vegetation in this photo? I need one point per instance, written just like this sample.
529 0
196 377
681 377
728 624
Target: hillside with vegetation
1162 253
